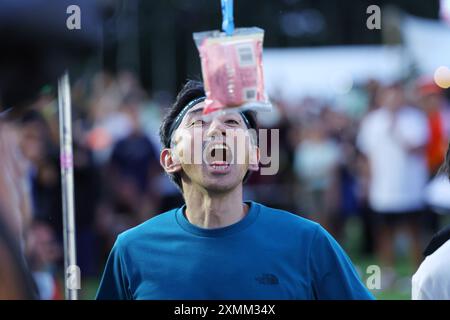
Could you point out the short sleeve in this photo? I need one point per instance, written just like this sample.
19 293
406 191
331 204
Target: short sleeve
114 282
419 287
333 274
432 279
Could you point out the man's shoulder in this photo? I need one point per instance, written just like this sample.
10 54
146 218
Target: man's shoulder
278 218
158 223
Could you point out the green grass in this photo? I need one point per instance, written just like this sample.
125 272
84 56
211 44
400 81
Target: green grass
401 289
89 288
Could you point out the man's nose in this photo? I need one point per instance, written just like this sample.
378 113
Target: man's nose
216 129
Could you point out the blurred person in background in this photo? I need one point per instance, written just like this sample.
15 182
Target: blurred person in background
347 193
316 164
43 252
131 177
260 187
362 171
88 186
133 166
43 171
393 138
432 101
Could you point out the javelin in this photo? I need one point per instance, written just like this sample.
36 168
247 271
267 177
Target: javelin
71 270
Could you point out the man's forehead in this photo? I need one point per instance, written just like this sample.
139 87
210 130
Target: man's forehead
198 108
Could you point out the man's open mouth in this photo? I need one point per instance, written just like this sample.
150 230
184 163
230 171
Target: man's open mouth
218 155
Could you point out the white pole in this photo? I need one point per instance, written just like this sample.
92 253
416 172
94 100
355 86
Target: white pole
71 274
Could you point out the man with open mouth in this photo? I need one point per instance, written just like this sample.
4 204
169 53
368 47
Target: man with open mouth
218 246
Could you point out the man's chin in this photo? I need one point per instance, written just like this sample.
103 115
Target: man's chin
220 183
217 178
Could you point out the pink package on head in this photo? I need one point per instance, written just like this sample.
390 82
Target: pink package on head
232 69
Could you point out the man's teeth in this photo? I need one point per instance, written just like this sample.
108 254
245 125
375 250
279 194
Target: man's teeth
220 166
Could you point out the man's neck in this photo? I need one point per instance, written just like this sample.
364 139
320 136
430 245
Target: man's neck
214 210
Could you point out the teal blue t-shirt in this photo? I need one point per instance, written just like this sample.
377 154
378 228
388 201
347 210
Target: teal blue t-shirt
269 254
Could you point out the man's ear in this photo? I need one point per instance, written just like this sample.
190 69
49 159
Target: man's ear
254 158
169 161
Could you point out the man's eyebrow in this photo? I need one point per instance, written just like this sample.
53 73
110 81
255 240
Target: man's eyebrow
191 112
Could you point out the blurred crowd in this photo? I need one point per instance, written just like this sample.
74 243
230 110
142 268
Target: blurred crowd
340 159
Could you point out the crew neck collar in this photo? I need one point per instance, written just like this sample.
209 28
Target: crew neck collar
184 223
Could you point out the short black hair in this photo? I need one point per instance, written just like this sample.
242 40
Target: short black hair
192 90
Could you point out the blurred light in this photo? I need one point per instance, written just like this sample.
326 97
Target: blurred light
442 77
444 10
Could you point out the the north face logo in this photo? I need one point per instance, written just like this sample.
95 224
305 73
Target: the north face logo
267 278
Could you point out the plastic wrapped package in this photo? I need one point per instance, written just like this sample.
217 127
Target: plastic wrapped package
232 70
